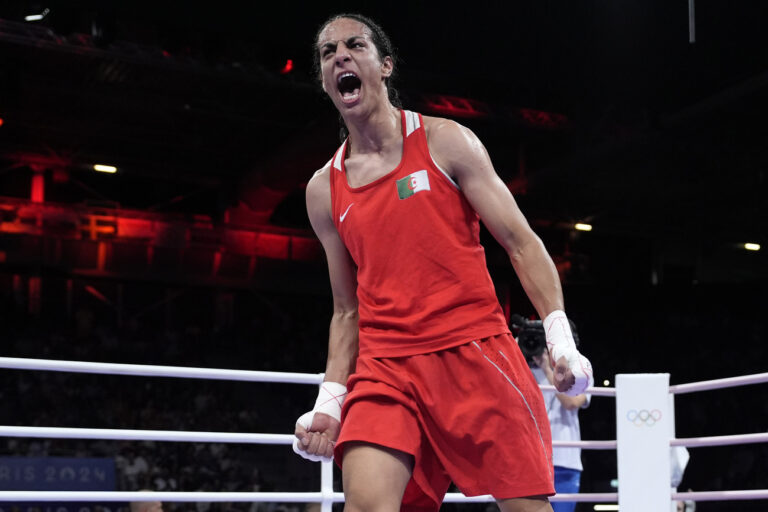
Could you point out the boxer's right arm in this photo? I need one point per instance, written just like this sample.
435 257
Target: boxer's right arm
343 334
342 348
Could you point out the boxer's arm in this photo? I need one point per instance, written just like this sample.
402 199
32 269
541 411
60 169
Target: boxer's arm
343 335
461 154
317 430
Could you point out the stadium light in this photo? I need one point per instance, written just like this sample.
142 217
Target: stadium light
37 17
105 168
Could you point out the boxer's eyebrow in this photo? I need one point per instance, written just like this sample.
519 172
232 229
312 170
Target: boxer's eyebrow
331 45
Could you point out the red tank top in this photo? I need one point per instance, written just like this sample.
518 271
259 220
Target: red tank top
423 284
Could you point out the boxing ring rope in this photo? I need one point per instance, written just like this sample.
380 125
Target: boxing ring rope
730 382
172 497
326 496
140 370
696 442
244 497
604 391
214 437
144 435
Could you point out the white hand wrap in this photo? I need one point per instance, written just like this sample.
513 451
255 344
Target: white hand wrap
560 343
329 401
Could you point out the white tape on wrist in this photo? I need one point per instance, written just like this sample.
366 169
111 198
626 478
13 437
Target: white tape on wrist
329 401
560 343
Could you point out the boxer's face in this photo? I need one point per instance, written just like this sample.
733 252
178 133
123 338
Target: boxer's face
353 73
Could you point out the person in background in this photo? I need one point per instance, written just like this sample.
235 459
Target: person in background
563 414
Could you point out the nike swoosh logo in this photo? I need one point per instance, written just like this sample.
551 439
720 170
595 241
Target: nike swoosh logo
343 215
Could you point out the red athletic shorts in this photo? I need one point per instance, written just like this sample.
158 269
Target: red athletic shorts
471 414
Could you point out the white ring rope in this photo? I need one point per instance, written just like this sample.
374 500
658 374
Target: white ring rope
327 496
595 497
145 435
606 391
589 445
202 437
15 363
186 372
756 494
336 497
730 382
694 442
235 437
241 497
178 497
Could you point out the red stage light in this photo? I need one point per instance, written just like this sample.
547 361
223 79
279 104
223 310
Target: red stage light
455 106
96 293
542 119
287 68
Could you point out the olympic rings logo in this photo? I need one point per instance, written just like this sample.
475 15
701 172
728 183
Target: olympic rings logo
644 417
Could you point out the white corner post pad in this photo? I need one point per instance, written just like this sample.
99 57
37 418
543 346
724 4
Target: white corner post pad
560 343
329 401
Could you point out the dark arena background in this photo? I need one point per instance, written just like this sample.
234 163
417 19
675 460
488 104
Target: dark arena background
627 116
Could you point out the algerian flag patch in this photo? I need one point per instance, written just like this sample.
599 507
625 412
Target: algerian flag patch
416 182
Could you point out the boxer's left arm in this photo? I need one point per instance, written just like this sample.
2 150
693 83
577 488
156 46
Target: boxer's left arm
461 154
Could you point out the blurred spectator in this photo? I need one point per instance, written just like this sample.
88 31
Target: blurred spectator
135 469
563 413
